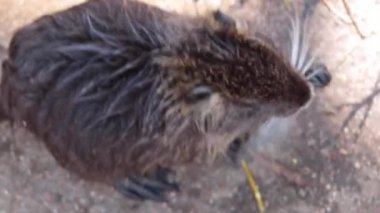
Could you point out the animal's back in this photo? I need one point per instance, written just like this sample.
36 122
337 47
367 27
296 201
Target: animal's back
83 81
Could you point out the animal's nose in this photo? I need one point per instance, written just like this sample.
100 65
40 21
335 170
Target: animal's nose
299 91
296 96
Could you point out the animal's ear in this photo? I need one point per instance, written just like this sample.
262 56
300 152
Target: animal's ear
221 22
198 93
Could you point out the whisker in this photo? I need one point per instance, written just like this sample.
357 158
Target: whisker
308 64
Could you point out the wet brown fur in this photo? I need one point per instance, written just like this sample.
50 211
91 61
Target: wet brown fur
108 86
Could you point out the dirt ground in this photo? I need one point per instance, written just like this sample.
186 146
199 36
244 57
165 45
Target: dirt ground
325 160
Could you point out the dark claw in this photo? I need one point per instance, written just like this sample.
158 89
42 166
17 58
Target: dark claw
151 187
318 75
235 147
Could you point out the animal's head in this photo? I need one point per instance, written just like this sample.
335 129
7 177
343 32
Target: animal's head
223 79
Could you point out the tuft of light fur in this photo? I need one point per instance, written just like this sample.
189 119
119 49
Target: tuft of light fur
301 56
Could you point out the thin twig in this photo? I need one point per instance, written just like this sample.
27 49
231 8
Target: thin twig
366 103
336 12
349 13
253 186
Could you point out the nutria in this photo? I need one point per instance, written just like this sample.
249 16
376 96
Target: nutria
122 92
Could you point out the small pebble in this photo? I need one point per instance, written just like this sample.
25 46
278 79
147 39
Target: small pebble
314 175
328 186
357 165
343 151
302 193
295 161
328 209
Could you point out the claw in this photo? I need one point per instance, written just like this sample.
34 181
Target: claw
152 187
236 146
233 149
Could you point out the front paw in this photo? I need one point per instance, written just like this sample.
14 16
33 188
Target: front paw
150 187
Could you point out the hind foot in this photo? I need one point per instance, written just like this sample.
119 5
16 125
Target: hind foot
318 75
151 187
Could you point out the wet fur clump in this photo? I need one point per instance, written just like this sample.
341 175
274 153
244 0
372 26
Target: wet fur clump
116 88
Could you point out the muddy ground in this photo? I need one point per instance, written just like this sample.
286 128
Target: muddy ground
325 160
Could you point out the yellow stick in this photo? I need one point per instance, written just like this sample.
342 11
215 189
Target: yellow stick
288 4
253 186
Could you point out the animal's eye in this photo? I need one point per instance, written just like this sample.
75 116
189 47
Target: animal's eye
199 93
